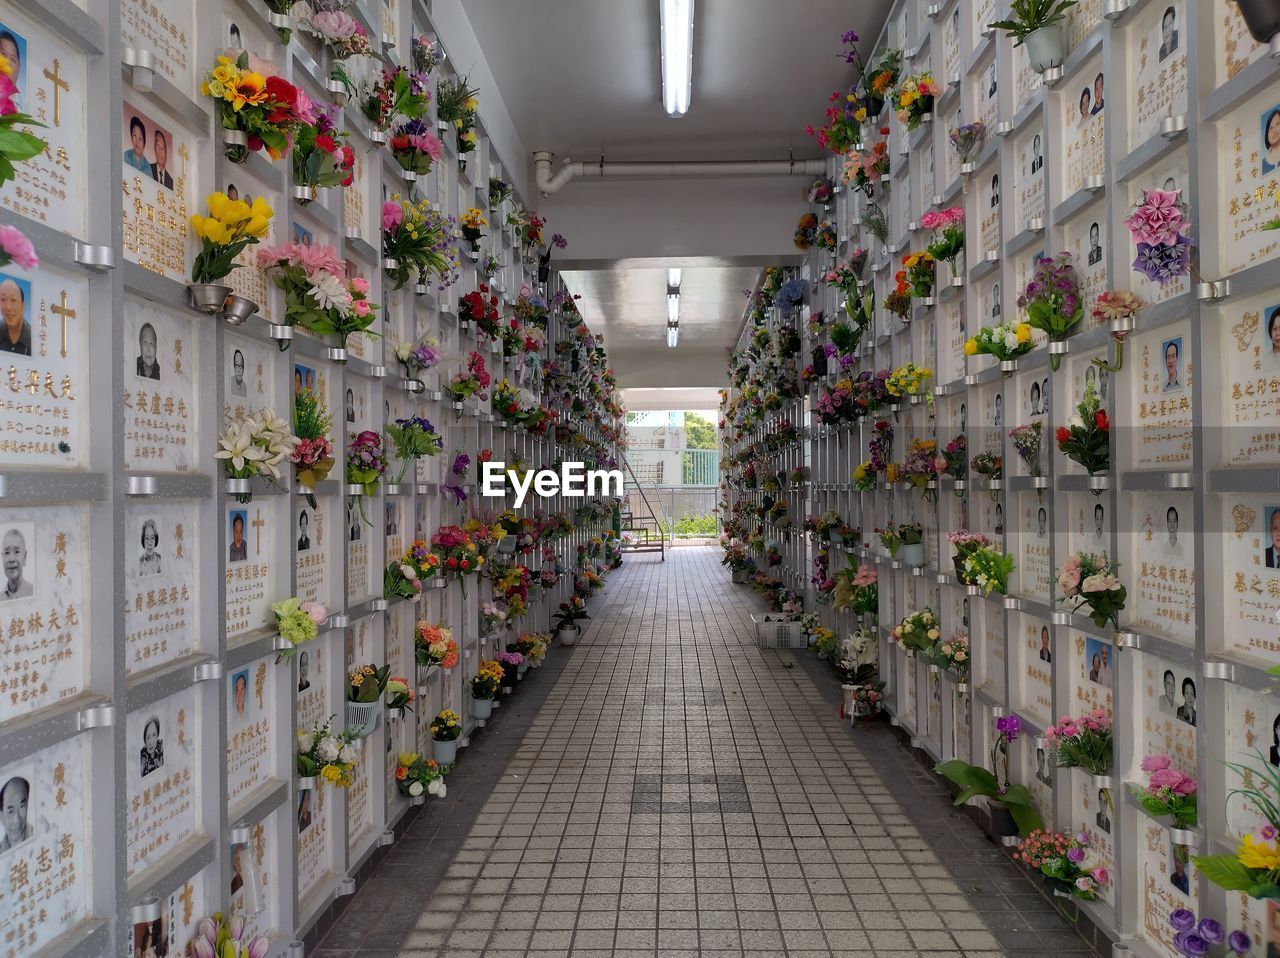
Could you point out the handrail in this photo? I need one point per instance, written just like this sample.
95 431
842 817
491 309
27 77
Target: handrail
655 513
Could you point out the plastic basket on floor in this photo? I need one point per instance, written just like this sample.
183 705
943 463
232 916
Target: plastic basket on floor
777 631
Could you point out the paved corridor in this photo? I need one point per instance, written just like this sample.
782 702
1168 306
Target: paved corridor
679 792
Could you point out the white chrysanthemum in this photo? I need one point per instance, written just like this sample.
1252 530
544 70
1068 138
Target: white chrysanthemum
330 292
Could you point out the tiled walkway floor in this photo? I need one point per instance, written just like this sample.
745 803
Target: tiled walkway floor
680 792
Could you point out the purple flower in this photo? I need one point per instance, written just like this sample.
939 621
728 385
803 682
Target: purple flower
1239 942
1182 919
848 37
1162 263
1210 930
829 349
1075 855
1190 944
1009 726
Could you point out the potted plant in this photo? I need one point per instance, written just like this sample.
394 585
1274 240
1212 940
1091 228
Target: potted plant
445 729
1038 24
911 535
571 612
966 543
1012 812
365 686
484 689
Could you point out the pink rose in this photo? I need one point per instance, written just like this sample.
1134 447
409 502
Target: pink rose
315 611
1166 778
361 307
360 285
1101 875
1154 763
1185 787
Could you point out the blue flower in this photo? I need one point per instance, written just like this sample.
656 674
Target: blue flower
791 294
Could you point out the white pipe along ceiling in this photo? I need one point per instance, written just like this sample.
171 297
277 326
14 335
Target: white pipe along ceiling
549 183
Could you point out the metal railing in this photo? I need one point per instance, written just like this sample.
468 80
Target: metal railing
677 467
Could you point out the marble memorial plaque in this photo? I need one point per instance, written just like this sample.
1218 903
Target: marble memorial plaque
250 737
155 170
250 573
1251 584
162 778
1163 378
1249 158
159 396
1250 349
167 32
1157 69
160 622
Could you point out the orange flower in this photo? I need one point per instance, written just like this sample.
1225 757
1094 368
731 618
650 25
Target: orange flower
401 772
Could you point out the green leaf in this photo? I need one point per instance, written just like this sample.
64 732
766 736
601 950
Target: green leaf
1225 871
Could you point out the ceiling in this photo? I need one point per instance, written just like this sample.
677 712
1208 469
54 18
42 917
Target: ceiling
581 78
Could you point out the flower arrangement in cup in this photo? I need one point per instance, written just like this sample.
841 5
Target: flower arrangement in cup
898 300
480 306
1197 938
1005 342
1052 300
918 631
327 755
1027 441
388 98
848 275
414 147
913 99
345 37
472 223
1087 580
487 681
434 646
492 616
1159 224
312 457
1065 863
835 403
456 104
473 382
416 241
230 227
952 654
223 936
366 461
994 785
317 294
1084 743
413 438
967 140
965 543
988 568
297 622
516 405
446 726
880 446
881 79
921 273
948 235
1085 439
856 590
531 232
865 476
826 237
956 456
922 466
1168 792
416 358
403 577
907 380
499 192
458 553
399 694
867 168
1116 308
1254 867
417 775
255 444
16 145
533 646
820 191
806 231
988 464
367 683
265 111
321 157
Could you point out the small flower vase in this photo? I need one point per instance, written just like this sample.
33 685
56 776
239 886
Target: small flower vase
445 753
912 554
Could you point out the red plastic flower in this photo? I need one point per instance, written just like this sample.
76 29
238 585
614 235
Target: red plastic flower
1100 420
1064 434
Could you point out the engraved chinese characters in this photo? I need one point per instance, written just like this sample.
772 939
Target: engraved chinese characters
160 769
155 169
158 393
160 576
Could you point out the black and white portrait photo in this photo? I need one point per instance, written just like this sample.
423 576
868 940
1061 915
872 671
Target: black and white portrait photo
152 756
149 560
1042 523
997 418
1103 817
1095 244
999 523
1046 653
1043 769
1168 693
304 671
16 803
1187 710
991 80
238 547
238 386
1037 154
15 546
1035 398
392 517
995 190
1168 33
353 522
996 307
304 531
1099 522
351 406
1169 542
148 364
964 417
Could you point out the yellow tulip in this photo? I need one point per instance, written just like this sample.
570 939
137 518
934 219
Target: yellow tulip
256 227
261 208
197 225
237 212
217 233
217 203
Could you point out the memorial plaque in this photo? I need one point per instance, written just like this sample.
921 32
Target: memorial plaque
249 279
1089 528
162 775
1163 556
1037 654
1234 49
951 44
1038 777
1251 583
1030 183
993 658
985 92
1027 80
1162 378
1097 810
43 614
1250 348
1157 69
951 358
44 871
983 12
1083 129
1081 21
313 551
933 711
154 174
50 79
962 702
353 200
985 186
251 759
45 339
247 381
314 820
1093 671
1086 240
910 692
1249 156
250 573
158 393
160 621
166 31
1034 572
254 891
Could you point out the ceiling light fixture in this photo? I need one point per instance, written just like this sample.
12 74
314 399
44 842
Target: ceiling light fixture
673 277
673 305
677 55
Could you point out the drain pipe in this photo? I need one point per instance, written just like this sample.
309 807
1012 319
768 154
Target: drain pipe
549 183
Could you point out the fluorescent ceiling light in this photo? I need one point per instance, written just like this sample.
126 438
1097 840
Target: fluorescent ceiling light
677 55
673 334
673 277
673 306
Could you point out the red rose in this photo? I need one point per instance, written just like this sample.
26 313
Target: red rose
325 142
1100 420
348 181
280 90
1064 434
452 563
466 564
348 158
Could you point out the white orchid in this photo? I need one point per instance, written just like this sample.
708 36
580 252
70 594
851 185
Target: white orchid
256 444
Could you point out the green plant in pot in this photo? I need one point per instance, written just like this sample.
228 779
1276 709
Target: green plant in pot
1012 812
1038 24
911 535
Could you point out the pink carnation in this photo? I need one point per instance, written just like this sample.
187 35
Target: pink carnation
932 220
287 253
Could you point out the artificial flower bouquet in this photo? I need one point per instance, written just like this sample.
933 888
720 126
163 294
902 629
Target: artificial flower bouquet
1087 580
403 577
390 97
533 646
806 231
446 726
847 276
297 622
1052 300
881 79
487 681
1159 224
1254 868
399 694
456 104
229 228
956 455
343 34
921 273
257 111
417 358
471 383
918 631
499 192
898 300
948 234
968 139
414 147
531 232
913 99
865 476
15 145
1199 938
1082 743
826 237
866 169
434 645
326 754
836 403
1085 439
255 444
965 544
480 307
458 552
988 464
820 191
416 241
223 936
366 461
413 438
367 683
1027 441
994 785
880 446
1065 862
516 405
317 294
1117 308
492 615
922 466
850 536
321 157
472 224
856 589
1168 792
952 654
312 457
416 775
1005 342
989 569
907 380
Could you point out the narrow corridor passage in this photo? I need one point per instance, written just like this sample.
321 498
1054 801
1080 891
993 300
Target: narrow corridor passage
680 792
